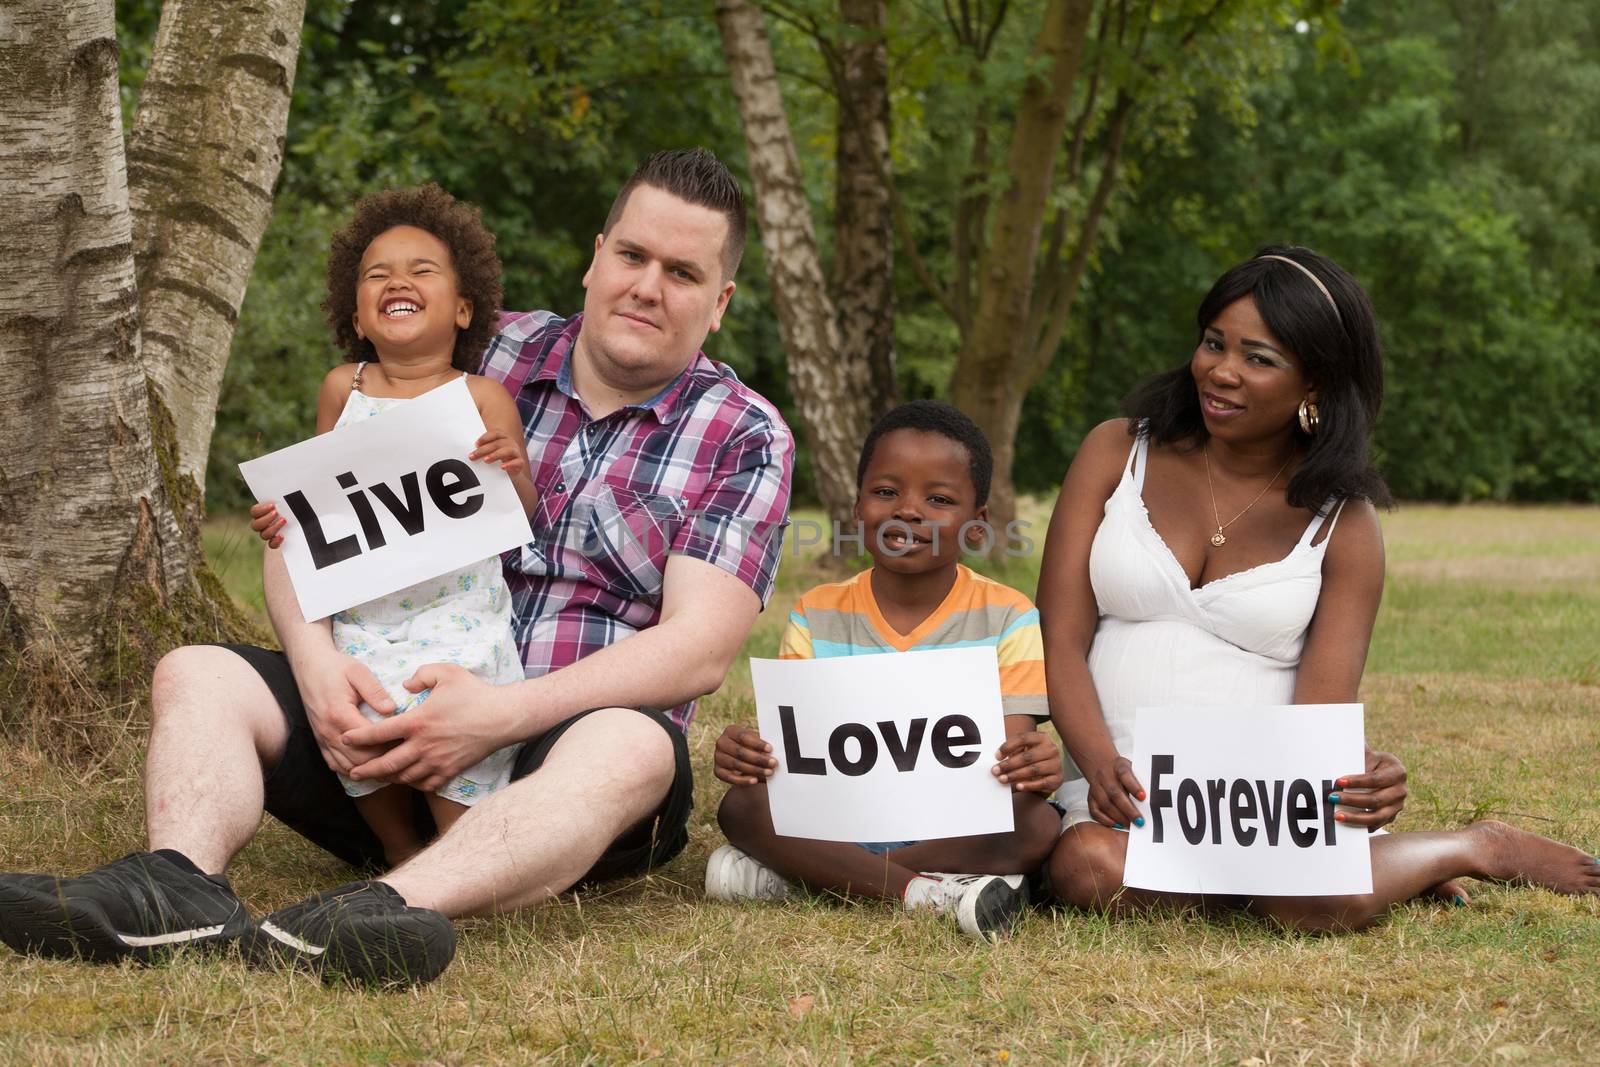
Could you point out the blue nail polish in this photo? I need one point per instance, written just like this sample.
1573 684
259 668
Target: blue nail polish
1139 821
1119 826
1460 900
1333 798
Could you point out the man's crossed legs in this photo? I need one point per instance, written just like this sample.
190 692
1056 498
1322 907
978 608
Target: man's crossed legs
603 794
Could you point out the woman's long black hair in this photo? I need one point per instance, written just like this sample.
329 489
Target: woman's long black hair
1339 355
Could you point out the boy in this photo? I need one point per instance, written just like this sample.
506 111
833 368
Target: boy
923 476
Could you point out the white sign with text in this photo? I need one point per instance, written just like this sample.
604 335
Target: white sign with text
891 747
387 502
1236 801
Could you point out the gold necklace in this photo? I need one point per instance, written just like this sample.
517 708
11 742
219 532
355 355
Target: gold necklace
1219 539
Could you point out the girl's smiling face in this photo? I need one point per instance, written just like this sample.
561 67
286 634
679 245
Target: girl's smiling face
408 300
1250 384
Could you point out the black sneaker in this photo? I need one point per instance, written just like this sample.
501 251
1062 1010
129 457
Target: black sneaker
139 907
361 932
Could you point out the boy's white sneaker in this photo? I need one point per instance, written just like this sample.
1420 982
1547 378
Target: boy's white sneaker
985 906
733 875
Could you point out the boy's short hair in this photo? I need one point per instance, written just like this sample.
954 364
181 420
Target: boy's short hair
472 255
696 176
933 416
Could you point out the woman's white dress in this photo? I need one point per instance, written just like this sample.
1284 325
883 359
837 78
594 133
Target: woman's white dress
1233 641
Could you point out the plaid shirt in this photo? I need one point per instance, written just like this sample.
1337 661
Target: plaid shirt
701 469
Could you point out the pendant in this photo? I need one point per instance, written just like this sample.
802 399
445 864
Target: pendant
1218 540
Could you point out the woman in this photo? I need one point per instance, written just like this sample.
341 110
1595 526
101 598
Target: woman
1221 546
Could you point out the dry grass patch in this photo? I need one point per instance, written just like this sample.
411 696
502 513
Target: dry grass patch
649 972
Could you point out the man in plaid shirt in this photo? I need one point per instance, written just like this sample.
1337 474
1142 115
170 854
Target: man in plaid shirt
664 486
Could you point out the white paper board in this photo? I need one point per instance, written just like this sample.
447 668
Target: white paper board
431 508
1236 801
901 710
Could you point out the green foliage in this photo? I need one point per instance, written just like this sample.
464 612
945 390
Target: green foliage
1445 152
1450 190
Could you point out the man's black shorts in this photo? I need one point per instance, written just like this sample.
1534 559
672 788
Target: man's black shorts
305 794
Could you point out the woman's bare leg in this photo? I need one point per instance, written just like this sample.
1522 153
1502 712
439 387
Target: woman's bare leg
1086 870
1408 864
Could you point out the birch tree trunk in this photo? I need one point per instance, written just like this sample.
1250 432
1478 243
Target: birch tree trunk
101 568
986 384
863 239
206 147
830 385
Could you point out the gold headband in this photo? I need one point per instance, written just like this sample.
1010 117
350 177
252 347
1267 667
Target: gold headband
1303 269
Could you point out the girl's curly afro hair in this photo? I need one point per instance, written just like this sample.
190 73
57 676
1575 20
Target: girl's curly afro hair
471 246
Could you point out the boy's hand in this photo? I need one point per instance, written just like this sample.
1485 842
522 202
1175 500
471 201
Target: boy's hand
265 520
1029 763
496 446
742 757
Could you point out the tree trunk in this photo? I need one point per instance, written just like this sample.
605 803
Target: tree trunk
985 383
863 239
205 151
100 562
830 385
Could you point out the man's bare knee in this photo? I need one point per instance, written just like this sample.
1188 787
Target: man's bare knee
619 745
218 685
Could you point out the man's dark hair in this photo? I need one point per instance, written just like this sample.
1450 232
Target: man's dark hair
472 256
696 176
933 416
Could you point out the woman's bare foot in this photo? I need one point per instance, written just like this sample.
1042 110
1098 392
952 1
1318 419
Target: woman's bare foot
1506 854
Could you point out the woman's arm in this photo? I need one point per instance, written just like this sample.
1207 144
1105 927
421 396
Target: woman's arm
1068 615
1335 654
1341 630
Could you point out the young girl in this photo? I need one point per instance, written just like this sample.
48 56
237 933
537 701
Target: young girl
413 293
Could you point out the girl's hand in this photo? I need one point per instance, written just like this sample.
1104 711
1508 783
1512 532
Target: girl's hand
742 757
265 521
1112 792
496 446
1375 798
1029 763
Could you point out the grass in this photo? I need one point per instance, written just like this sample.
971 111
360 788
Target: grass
1482 678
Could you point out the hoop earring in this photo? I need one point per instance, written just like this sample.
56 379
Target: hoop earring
1308 417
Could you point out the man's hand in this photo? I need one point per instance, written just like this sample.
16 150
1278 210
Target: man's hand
460 722
742 757
1029 763
1375 798
331 686
265 521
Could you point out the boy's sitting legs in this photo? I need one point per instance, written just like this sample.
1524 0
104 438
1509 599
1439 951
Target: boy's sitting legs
903 874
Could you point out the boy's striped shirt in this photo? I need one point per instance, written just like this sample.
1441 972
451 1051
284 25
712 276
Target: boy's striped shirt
843 619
